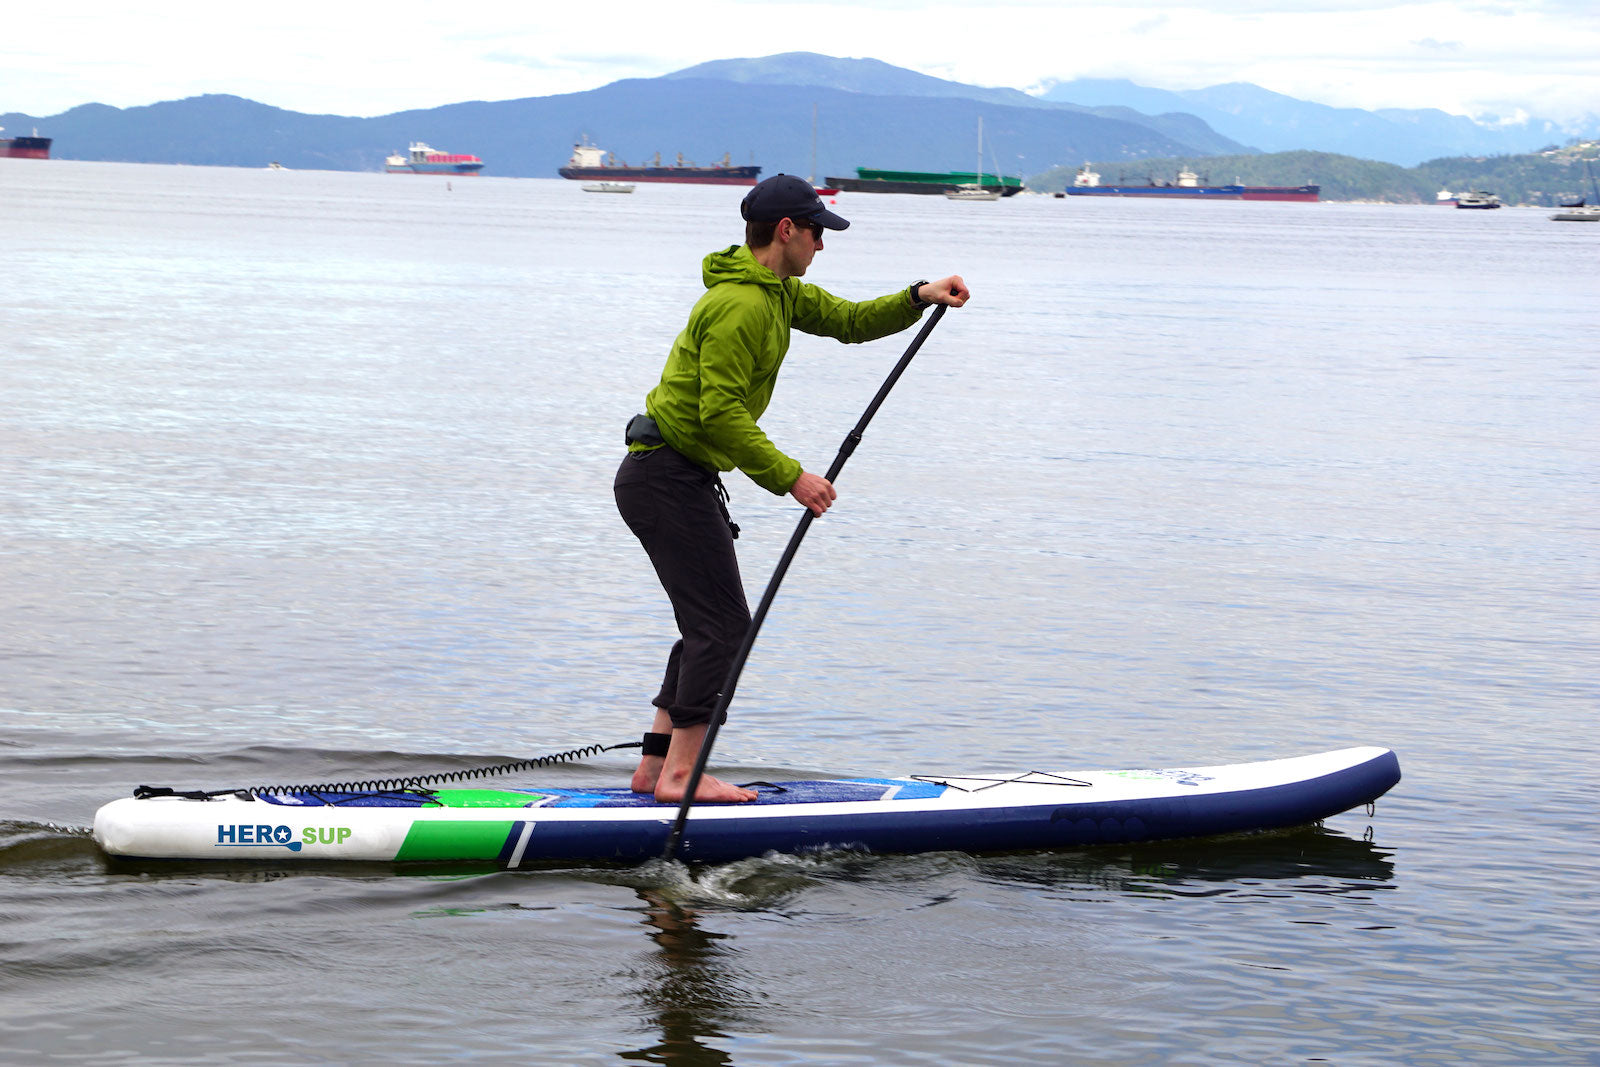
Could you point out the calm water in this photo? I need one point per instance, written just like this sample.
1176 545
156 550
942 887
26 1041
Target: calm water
307 475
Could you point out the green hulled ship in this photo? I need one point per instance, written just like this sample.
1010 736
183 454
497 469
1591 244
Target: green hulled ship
868 180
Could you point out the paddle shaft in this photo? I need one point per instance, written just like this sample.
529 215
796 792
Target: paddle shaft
725 697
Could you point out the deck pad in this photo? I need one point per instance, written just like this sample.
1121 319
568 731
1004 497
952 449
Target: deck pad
827 791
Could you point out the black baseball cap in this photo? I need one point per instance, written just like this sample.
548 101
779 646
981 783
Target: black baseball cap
783 196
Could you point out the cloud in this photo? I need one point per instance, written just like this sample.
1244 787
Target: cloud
1540 55
582 62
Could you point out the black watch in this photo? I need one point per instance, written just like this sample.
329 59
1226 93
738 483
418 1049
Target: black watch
917 301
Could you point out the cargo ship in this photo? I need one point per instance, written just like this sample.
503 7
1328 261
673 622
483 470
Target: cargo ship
425 160
1188 187
869 180
589 164
34 147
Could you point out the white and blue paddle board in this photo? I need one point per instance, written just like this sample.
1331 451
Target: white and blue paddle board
517 826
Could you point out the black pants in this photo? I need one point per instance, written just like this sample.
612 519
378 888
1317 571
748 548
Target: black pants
671 504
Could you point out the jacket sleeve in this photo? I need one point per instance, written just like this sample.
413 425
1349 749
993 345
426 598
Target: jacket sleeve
734 332
817 311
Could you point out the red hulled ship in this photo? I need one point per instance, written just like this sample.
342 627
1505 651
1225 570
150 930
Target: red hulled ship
34 147
1189 187
589 164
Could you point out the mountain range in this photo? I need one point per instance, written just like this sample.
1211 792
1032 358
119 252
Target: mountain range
772 111
1273 122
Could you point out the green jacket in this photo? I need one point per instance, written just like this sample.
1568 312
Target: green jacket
722 368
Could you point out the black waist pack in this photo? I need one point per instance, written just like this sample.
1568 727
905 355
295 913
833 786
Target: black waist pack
642 430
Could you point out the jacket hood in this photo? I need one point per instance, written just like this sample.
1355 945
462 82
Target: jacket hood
735 264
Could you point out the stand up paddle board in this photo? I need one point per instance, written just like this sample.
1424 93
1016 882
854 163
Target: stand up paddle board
514 826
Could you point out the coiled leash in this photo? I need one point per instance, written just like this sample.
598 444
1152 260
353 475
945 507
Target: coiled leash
414 785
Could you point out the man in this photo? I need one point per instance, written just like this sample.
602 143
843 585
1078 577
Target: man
701 420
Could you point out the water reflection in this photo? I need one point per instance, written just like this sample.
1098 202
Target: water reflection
1321 860
692 991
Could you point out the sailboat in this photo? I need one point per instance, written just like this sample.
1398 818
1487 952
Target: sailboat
1581 212
975 190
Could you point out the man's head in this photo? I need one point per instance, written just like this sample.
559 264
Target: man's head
783 196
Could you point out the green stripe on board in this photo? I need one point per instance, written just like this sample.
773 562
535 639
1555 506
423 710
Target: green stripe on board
486 798
456 840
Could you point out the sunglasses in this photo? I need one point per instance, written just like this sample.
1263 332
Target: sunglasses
806 224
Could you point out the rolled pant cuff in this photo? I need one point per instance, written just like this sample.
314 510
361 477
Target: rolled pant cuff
685 716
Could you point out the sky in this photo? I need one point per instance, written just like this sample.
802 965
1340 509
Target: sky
1508 58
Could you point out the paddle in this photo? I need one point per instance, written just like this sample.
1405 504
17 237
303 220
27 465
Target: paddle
725 697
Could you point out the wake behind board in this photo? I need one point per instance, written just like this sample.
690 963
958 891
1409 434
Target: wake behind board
519 827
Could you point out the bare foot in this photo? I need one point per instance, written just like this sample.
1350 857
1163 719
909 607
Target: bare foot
649 769
647 774
672 780
671 789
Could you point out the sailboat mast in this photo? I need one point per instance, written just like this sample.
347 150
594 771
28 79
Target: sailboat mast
812 178
980 151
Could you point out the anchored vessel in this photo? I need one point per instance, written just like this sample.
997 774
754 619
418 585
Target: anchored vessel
425 160
589 163
1575 209
34 147
869 180
977 190
1188 187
